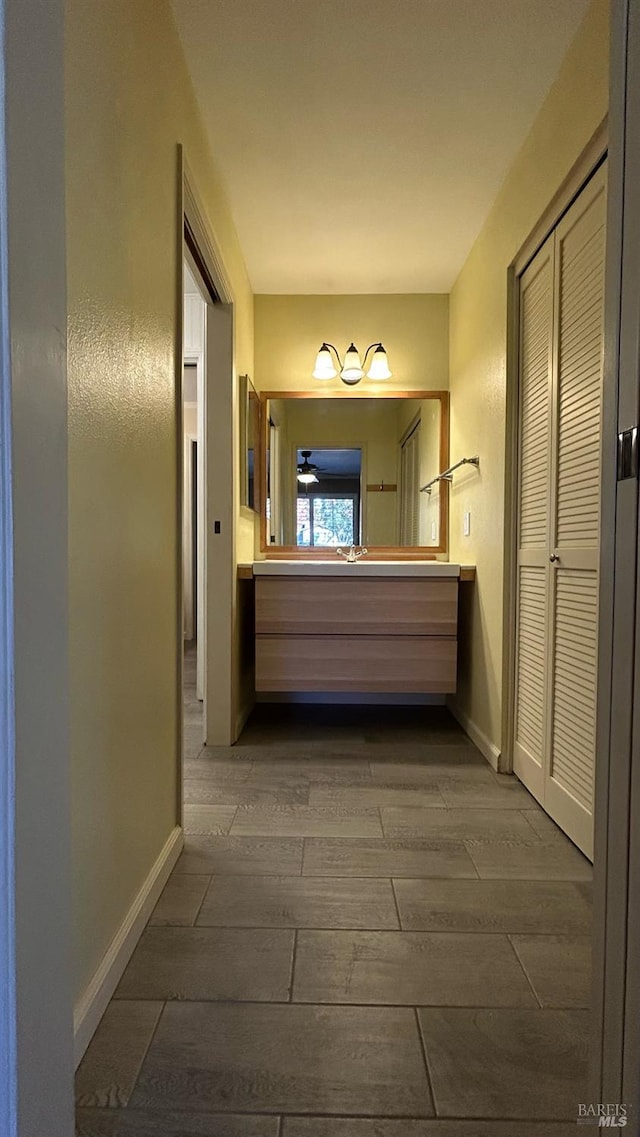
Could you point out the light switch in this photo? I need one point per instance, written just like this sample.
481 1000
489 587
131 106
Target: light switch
466 525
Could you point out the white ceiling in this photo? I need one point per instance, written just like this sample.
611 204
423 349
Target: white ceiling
362 142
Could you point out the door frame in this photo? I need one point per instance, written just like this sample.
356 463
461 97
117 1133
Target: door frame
195 234
583 169
616 986
36 1001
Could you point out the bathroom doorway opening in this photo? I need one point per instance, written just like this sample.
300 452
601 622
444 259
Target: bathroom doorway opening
208 345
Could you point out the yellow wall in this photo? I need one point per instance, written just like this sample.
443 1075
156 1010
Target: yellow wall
129 103
574 108
413 328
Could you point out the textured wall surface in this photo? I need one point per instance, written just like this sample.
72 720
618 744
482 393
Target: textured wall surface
574 108
129 104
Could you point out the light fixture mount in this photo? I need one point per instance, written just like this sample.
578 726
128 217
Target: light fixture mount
352 370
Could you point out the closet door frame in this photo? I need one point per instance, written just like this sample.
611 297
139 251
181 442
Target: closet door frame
591 158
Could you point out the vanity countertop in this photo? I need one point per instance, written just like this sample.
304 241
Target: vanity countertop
362 567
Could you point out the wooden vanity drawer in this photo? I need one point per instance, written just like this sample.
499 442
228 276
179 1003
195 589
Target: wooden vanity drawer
326 605
356 663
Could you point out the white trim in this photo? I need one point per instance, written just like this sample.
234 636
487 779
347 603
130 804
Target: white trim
204 234
94 1001
187 532
198 359
487 748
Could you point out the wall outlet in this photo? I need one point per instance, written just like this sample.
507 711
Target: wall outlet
434 534
466 524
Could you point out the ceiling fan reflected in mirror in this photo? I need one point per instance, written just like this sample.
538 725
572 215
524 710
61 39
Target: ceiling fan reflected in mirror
341 464
306 469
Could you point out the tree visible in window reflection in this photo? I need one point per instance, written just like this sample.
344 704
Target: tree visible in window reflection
325 520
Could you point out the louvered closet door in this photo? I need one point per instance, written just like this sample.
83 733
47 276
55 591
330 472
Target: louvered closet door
532 623
575 492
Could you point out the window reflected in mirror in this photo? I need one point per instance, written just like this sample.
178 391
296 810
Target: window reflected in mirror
342 471
328 497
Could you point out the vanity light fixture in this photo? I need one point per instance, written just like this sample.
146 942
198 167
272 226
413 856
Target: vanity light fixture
353 369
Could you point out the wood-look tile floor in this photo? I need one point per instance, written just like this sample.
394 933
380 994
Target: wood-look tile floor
368 934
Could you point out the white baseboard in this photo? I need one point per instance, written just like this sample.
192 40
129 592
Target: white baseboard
486 747
94 1001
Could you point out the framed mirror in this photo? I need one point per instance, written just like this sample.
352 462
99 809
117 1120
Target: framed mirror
340 470
249 444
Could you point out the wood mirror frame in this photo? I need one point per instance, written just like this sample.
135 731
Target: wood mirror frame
379 552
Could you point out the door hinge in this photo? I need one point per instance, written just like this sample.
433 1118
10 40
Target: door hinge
628 454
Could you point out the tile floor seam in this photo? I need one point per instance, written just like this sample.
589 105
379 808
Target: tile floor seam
395 901
292 974
526 973
148 1045
532 827
449 1118
233 821
204 897
425 1059
309 1003
353 930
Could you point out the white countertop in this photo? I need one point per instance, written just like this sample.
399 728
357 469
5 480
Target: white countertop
364 567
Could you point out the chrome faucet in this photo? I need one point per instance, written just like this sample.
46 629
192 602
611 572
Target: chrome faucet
354 554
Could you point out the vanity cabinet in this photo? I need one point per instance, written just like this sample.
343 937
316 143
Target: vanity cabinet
369 634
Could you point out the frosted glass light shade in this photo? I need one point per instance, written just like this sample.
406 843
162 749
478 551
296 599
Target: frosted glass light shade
379 366
324 368
352 371
307 479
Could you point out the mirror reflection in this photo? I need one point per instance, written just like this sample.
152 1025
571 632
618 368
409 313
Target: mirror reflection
348 471
249 438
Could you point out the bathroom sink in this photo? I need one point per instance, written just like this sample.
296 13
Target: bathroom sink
363 567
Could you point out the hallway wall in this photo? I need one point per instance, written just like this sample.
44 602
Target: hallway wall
129 103
413 328
575 107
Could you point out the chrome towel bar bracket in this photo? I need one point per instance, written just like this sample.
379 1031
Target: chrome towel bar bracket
447 475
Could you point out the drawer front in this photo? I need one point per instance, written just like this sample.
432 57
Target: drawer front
356 663
325 605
